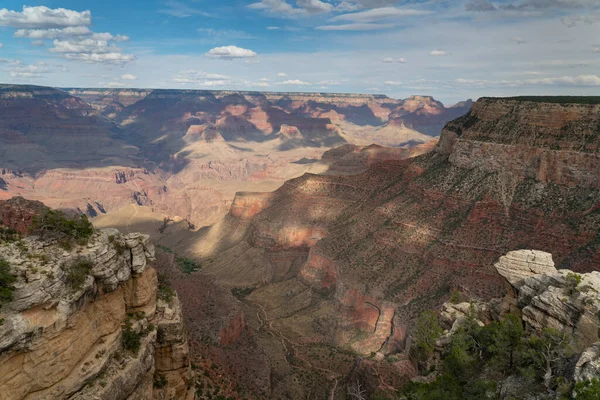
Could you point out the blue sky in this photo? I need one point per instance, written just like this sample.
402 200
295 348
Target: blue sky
450 49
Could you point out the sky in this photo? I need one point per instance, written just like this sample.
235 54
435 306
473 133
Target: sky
449 49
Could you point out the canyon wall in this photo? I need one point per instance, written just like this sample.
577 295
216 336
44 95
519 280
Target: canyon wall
90 322
348 262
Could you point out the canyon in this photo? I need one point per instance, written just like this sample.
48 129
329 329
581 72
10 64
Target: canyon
313 246
183 154
329 271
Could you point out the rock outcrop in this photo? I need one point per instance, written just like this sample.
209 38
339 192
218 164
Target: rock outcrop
551 298
544 298
84 323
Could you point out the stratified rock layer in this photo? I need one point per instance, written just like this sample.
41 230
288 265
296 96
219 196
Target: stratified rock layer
59 341
398 238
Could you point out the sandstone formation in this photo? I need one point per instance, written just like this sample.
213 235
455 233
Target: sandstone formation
181 153
61 336
383 245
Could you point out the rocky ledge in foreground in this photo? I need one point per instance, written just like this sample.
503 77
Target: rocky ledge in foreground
541 341
88 321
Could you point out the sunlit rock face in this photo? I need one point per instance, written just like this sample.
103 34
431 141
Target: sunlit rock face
184 153
60 341
400 236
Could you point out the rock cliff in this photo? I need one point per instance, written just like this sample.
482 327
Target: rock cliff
381 246
89 322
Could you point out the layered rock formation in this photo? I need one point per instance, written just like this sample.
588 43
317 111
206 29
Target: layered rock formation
551 298
549 303
86 323
400 237
182 153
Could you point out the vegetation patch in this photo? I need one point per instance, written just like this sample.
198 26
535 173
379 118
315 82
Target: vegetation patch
77 271
8 234
165 291
130 339
53 224
6 281
188 265
477 359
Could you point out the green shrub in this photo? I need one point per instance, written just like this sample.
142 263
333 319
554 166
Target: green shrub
588 390
572 282
77 271
187 265
53 224
165 291
8 234
130 339
160 382
6 281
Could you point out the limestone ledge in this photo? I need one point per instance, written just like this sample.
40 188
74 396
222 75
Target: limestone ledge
60 343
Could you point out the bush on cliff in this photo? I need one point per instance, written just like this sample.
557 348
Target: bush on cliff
77 271
479 359
130 339
53 224
6 281
8 234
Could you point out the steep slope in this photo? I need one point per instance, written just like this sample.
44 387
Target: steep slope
87 322
347 262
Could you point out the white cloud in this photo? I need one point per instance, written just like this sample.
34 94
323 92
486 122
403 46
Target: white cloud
260 84
230 53
198 77
578 80
393 83
315 6
53 33
129 77
572 20
379 14
181 10
1 45
83 46
90 50
273 28
113 84
216 83
596 49
102 58
225 33
348 6
330 82
518 40
355 27
264 79
303 7
438 52
69 30
29 71
44 18
296 82
276 7
389 60
66 33
281 74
